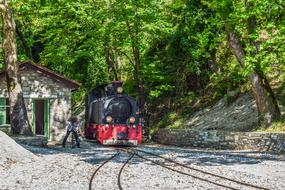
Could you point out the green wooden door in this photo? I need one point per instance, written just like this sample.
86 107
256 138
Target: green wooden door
33 117
46 112
47 118
2 111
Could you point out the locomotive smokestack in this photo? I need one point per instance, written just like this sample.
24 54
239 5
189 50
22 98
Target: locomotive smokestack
117 84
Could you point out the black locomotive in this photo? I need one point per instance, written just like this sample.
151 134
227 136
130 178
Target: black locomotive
113 117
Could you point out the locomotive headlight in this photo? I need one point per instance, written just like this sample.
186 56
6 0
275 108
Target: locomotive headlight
109 119
132 120
120 90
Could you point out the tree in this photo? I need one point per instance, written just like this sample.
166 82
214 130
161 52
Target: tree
244 42
161 49
18 113
132 26
177 60
133 33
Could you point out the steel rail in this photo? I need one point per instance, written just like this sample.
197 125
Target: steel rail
202 171
95 172
121 170
193 176
192 168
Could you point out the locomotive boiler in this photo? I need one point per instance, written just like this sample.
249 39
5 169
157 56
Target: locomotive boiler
113 118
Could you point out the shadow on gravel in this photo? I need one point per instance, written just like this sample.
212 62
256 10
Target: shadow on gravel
212 158
205 160
217 160
94 153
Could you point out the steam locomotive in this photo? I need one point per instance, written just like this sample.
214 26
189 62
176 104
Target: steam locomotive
113 117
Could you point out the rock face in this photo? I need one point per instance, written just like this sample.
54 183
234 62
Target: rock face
241 115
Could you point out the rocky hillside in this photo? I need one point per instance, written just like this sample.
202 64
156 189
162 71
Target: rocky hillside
235 115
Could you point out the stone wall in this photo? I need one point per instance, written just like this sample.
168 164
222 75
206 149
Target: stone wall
37 85
5 128
271 142
59 114
33 141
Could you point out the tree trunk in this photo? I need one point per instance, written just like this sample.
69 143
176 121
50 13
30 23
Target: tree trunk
266 103
261 76
110 60
138 79
133 32
18 113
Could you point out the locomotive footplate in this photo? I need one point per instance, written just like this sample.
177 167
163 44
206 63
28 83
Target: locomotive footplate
120 142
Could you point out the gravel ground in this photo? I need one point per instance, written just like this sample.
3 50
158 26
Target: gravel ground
59 168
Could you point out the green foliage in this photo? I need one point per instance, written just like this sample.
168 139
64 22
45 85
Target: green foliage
182 46
275 127
178 61
267 35
172 120
264 51
228 73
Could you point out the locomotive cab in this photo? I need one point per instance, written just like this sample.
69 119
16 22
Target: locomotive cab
112 116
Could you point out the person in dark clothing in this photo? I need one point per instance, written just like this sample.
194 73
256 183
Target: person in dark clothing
73 127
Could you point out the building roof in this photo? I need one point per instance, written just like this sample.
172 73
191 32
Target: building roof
73 85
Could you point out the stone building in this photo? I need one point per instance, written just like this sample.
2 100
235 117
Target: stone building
47 98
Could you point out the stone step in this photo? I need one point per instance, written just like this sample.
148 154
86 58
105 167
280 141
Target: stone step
33 141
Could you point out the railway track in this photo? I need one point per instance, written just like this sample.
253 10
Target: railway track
120 172
136 152
228 183
240 155
96 171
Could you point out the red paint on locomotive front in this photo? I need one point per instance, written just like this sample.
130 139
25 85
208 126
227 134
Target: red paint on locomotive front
117 134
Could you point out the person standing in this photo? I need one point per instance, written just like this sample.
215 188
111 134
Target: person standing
72 127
